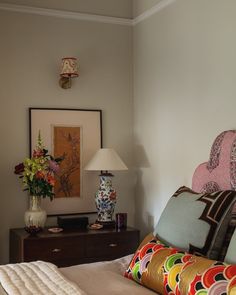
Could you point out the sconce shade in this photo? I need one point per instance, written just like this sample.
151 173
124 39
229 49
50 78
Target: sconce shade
69 67
106 159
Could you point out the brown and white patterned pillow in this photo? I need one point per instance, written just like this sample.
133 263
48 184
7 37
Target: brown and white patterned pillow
228 236
196 222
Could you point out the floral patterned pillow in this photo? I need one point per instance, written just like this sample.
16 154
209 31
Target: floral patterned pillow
168 270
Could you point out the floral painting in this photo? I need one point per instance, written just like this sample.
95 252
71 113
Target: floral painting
74 136
67 142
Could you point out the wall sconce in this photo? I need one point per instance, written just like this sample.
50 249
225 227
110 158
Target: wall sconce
69 69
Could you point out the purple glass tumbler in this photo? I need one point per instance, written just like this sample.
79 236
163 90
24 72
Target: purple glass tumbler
121 220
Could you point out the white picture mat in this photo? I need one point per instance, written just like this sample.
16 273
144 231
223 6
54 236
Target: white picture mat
90 121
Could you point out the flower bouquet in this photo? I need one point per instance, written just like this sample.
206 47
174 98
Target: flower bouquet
38 172
38 177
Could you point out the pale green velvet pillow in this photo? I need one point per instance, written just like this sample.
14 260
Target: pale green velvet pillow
231 252
196 222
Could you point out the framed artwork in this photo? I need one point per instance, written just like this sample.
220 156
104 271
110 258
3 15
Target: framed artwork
75 134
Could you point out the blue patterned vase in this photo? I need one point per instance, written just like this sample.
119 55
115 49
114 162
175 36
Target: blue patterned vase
105 199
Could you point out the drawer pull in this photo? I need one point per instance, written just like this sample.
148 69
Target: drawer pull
112 245
56 250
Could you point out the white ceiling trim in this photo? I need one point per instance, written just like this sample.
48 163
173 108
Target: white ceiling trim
66 14
84 16
156 8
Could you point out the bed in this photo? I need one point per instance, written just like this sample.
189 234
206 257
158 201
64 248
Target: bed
91 278
181 256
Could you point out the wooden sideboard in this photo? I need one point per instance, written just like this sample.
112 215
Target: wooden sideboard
72 247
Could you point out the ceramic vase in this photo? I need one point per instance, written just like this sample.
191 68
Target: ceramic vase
35 216
105 199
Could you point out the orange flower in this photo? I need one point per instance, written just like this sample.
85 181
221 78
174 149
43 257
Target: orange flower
39 174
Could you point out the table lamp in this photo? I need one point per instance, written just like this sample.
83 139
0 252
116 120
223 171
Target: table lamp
104 160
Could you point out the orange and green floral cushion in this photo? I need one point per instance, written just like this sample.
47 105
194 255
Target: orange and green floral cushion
168 270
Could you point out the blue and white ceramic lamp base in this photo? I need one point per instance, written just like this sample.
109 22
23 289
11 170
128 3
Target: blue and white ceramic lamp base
105 200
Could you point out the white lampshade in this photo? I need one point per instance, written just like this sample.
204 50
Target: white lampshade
106 159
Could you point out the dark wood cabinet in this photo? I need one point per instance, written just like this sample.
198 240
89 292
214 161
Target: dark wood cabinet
72 247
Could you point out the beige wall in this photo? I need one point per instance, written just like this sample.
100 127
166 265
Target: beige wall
184 96
120 8
30 54
140 6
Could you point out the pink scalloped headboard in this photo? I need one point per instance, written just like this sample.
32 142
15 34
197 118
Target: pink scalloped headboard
219 173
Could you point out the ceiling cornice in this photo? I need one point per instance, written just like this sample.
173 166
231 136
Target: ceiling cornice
156 8
66 14
84 16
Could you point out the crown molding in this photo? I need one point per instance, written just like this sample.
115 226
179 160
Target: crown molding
66 14
87 17
156 8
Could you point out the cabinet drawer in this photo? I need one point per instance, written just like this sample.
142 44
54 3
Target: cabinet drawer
72 247
111 245
53 249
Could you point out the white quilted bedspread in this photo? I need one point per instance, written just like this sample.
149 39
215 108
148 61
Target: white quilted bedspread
36 278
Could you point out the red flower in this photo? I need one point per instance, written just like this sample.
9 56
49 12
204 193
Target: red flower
51 180
38 153
113 196
19 168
